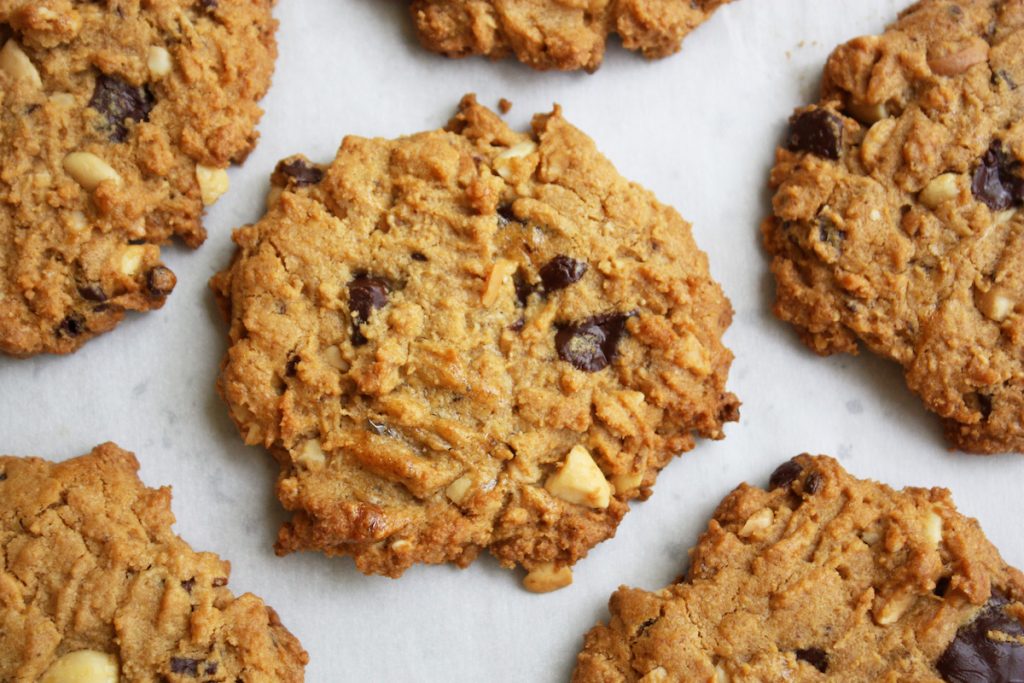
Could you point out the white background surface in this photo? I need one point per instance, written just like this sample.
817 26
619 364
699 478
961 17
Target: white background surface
699 129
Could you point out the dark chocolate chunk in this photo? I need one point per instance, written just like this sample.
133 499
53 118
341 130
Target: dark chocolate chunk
592 344
818 131
208 5
814 656
518 325
73 325
292 365
365 294
3 476
505 215
119 101
974 657
189 584
942 586
92 292
997 181
812 484
185 665
301 172
160 281
211 668
785 474
560 272
829 234
523 288
417 256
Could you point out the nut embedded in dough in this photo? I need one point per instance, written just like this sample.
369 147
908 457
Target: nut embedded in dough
88 170
546 578
213 182
83 666
16 63
580 480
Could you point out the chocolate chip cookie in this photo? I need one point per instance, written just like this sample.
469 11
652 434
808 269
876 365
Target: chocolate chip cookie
555 34
469 338
823 577
119 119
897 219
96 588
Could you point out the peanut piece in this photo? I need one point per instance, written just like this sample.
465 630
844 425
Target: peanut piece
547 577
18 66
506 162
159 61
656 675
891 610
311 455
759 521
580 481
131 259
627 482
941 189
996 304
83 666
213 182
332 354
501 272
868 113
933 529
89 170
459 488
955 63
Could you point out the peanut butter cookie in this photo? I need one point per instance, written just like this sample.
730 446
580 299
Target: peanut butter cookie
557 34
119 119
96 588
469 338
823 577
897 212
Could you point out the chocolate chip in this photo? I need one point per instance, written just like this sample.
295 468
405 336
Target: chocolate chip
301 172
518 325
812 484
592 344
818 131
997 181
523 288
560 272
92 292
73 325
505 215
119 101
974 657
785 474
829 234
292 365
417 256
185 665
208 5
646 625
381 429
160 281
3 476
219 582
211 668
814 656
942 586
365 294
189 584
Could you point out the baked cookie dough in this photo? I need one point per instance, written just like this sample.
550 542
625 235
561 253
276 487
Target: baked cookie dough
96 588
823 577
119 118
897 219
557 34
469 339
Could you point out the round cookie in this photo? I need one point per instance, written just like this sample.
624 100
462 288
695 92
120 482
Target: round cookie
469 338
96 588
553 34
119 119
897 212
823 577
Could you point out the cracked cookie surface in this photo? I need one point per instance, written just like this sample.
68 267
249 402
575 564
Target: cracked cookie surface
557 34
94 581
823 577
897 219
469 339
120 117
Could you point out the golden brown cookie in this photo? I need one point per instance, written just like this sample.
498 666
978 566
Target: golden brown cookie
823 577
557 34
119 118
897 212
469 339
96 588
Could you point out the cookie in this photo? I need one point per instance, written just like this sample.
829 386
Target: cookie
554 34
96 588
897 219
119 118
469 338
823 577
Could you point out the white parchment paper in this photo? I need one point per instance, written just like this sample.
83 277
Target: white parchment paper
699 129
